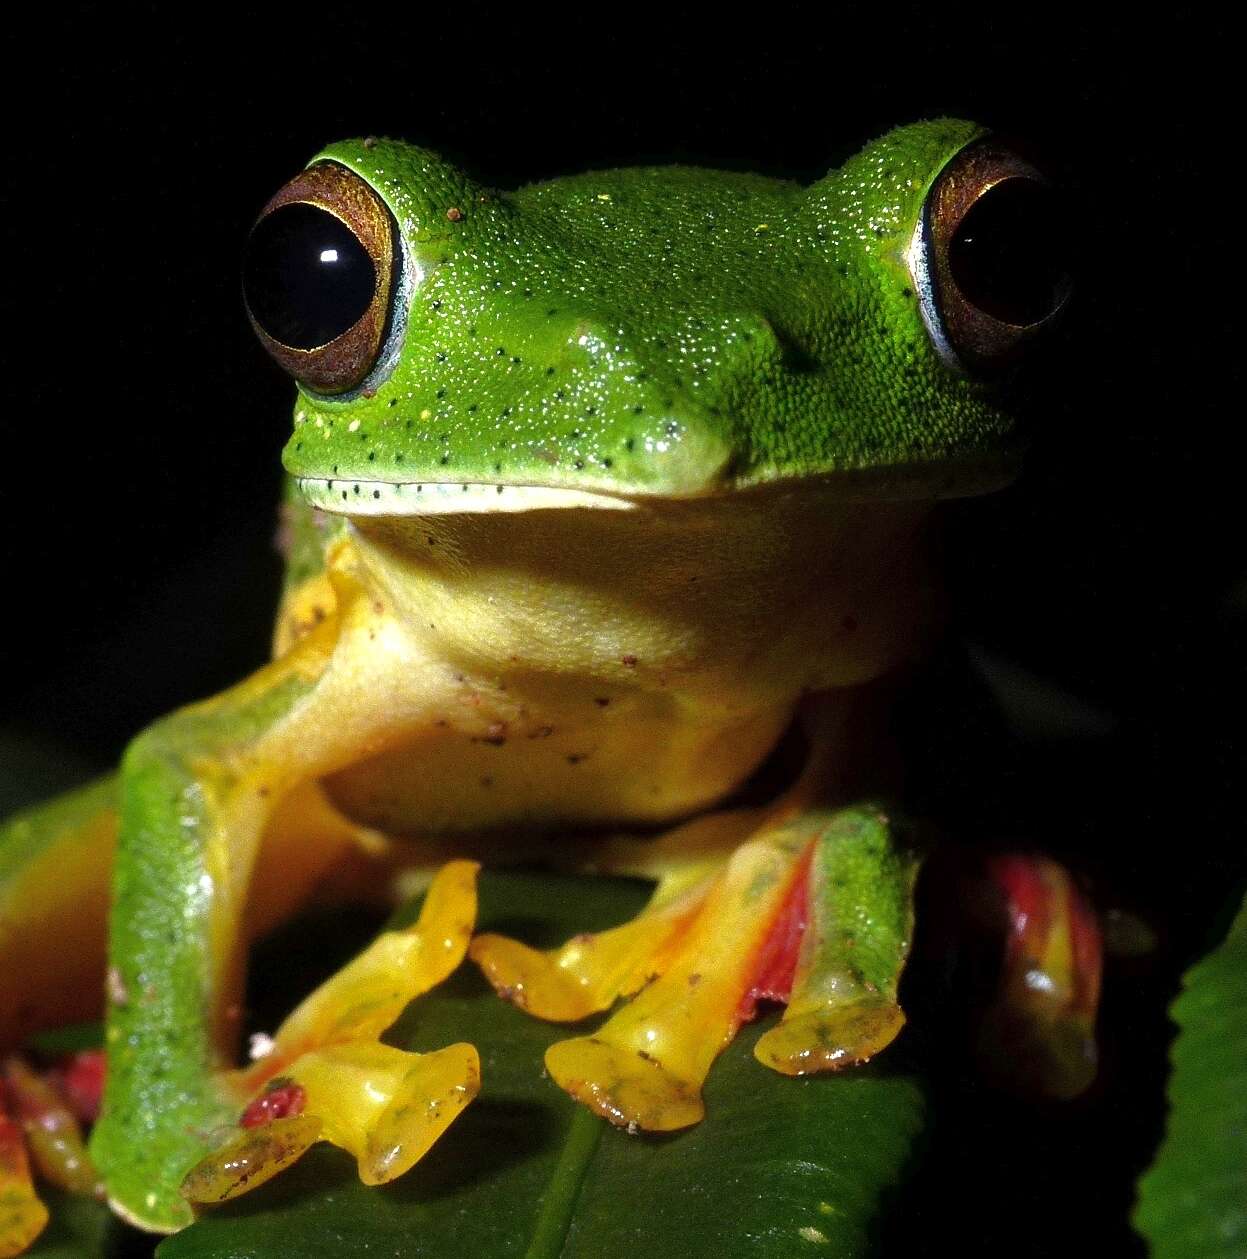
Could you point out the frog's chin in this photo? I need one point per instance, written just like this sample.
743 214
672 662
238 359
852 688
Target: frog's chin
430 498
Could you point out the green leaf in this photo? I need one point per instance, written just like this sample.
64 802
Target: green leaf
1193 1200
79 1228
780 1167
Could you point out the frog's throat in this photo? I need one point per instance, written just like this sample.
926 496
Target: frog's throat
395 498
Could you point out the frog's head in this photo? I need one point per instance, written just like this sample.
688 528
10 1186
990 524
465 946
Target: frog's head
661 332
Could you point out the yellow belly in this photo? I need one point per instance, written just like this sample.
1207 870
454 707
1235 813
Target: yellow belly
582 667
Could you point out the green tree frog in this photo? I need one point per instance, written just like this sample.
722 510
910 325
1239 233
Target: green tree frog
597 492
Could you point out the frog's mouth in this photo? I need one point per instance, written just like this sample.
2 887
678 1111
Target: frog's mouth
429 498
918 481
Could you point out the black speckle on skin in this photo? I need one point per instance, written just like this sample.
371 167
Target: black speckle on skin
376 493
630 443
579 463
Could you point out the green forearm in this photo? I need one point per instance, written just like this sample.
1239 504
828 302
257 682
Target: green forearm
159 1101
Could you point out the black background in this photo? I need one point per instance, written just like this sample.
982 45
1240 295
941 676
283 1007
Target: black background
144 422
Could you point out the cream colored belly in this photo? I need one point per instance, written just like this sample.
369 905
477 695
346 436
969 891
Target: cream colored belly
570 667
614 764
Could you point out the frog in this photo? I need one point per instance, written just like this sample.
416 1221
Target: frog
607 500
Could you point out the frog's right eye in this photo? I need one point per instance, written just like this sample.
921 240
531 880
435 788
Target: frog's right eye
319 277
989 258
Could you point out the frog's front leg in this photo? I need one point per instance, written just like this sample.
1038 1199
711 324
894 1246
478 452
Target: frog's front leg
198 790
804 901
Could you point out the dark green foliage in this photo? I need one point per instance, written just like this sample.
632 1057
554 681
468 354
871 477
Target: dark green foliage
1193 1200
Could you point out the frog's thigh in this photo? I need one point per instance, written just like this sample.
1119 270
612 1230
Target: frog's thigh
198 790
814 906
55 861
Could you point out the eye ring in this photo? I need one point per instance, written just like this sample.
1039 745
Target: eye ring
320 276
988 258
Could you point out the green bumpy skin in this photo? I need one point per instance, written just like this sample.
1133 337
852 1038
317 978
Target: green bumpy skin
666 331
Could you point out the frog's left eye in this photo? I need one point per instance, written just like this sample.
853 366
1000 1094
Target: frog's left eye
319 277
989 257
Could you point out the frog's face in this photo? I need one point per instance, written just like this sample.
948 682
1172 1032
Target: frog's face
655 332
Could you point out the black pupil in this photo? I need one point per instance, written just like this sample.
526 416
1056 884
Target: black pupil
1008 255
306 277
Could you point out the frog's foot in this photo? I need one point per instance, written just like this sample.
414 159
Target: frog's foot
814 909
37 1125
328 1077
22 1216
1039 1033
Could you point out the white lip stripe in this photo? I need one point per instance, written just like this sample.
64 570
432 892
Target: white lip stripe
428 498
